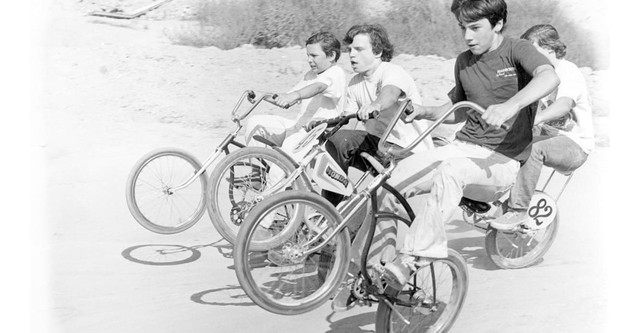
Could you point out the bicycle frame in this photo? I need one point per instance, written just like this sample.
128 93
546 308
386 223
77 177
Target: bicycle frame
230 138
308 159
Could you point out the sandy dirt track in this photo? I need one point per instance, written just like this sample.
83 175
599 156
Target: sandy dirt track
114 90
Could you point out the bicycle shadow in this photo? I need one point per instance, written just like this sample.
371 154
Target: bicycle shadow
234 296
352 324
172 254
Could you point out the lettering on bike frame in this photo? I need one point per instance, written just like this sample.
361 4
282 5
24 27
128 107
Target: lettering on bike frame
329 176
542 211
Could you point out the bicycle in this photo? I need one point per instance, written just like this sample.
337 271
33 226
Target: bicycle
247 176
313 262
166 188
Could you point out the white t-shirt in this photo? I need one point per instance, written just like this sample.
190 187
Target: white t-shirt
579 124
363 90
328 104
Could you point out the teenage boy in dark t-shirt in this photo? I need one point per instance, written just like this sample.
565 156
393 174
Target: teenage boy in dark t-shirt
506 77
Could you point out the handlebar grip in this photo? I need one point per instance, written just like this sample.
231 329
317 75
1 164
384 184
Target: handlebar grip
273 98
373 115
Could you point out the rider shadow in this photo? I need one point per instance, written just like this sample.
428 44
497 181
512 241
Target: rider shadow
229 296
170 254
352 324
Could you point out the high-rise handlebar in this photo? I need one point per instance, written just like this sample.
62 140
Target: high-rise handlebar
250 95
407 105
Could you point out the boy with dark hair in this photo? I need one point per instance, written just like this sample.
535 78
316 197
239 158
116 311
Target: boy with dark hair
506 77
378 87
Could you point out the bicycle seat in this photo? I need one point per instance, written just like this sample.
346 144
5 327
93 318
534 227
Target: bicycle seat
264 141
476 206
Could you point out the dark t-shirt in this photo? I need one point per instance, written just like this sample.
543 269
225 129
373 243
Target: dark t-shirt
493 78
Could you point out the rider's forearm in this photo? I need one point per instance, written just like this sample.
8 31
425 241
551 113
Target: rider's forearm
311 90
387 97
544 81
435 112
559 108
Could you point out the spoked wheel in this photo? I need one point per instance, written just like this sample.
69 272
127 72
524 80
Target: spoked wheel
239 182
521 248
152 197
285 278
430 302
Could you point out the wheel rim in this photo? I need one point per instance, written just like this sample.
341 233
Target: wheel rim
428 310
155 198
241 187
282 280
523 247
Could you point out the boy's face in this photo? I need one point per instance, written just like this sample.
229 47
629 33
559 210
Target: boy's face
361 55
317 59
480 36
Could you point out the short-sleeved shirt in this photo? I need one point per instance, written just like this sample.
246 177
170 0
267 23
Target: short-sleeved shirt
493 78
330 102
578 124
363 90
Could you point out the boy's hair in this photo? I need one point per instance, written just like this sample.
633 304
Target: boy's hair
328 42
476 10
377 35
546 36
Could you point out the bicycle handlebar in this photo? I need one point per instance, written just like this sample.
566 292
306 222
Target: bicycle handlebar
250 95
407 105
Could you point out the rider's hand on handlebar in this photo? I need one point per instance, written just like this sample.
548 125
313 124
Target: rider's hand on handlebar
286 100
419 112
497 114
369 111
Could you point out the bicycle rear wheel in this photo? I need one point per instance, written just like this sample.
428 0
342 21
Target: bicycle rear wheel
432 300
237 184
282 279
150 193
520 248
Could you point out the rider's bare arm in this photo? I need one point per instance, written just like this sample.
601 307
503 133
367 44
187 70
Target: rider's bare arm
387 96
303 93
544 81
559 108
435 112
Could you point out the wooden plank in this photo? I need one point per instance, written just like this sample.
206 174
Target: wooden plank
138 12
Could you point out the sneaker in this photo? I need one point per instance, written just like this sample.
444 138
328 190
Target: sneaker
510 220
398 272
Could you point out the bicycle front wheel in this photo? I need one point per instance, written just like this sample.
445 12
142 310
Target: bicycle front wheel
151 195
287 279
239 182
430 302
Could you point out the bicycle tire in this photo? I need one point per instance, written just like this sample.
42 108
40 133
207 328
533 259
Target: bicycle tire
423 315
151 179
279 281
520 257
226 212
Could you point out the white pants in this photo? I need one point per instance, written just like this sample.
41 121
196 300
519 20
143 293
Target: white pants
442 176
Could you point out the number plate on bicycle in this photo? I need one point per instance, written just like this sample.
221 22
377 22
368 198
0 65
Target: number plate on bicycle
542 211
310 138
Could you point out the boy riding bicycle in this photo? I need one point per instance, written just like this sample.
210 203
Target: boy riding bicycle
507 77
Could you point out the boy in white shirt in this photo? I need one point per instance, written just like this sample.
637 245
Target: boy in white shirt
566 127
320 93
377 86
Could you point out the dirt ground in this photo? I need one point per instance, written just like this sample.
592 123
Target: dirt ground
113 90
